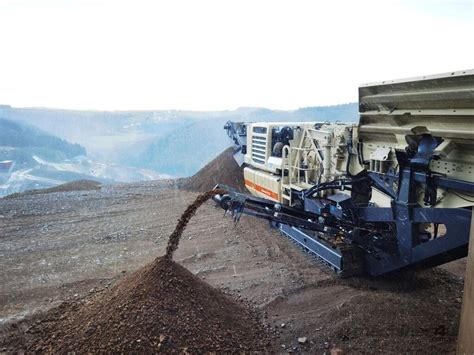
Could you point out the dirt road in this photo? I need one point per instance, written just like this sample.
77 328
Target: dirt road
61 246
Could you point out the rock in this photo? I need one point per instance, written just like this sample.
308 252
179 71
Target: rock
302 340
283 325
326 345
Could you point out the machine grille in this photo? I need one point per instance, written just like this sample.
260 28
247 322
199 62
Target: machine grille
259 149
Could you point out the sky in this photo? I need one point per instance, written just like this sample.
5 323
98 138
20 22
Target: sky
221 54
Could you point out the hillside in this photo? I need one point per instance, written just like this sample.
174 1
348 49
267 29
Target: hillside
185 151
17 138
43 160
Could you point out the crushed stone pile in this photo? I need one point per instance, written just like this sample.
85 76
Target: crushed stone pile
222 170
161 307
77 185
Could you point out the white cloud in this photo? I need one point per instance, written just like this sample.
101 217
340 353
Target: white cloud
214 54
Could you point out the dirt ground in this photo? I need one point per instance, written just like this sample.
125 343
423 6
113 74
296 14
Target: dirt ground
68 245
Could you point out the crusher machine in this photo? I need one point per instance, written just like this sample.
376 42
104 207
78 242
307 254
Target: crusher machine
394 190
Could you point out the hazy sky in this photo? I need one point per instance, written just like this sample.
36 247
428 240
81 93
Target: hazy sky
207 55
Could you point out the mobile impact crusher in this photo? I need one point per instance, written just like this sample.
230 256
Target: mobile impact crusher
395 190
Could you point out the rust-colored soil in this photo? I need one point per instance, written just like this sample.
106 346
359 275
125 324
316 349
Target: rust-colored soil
222 170
161 307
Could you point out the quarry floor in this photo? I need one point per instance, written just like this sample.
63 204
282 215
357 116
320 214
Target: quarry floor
63 246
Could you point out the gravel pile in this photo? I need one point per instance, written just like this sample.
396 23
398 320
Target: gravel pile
77 185
222 170
162 307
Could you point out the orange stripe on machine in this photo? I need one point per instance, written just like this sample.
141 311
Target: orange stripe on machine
249 184
261 189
